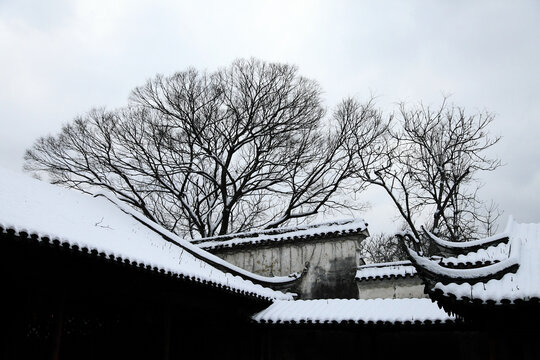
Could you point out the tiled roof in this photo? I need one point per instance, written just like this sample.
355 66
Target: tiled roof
482 257
465 247
509 273
385 270
331 229
52 215
354 311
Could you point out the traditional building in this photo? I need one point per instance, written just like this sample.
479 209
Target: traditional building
483 304
325 256
352 328
391 280
86 277
491 284
83 278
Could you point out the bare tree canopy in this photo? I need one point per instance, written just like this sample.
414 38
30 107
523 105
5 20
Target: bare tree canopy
429 167
381 248
212 153
251 146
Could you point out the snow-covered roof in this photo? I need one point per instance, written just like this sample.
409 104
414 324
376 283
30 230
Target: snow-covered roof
385 270
491 255
464 247
509 275
358 311
336 228
29 207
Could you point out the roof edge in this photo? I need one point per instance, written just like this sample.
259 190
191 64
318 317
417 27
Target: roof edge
433 271
275 283
64 245
456 248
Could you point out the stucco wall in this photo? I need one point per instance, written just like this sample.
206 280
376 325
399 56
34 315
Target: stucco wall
395 288
332 268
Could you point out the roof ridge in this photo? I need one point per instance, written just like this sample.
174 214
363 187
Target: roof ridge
385 264
279 231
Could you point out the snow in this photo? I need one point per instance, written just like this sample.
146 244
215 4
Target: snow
490 255
35 207
356 310
473 243
468 274
523 285
286 229
196 250
338 228
385 270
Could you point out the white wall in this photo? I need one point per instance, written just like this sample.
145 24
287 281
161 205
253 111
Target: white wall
394 288
332 264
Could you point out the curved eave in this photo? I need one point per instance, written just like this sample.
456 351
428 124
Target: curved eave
458 248
433 272
468 264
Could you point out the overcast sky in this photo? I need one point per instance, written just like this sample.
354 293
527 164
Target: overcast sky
60 58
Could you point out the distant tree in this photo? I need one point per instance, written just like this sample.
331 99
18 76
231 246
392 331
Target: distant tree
381 248
212 153
429 166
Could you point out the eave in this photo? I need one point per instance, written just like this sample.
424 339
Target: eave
432 271
275 282
454 248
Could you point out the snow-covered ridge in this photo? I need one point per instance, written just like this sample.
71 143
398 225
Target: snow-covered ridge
502 273
371 311
474 244
487 256
334 228
388 270
475 274
523 285
81 221
385 270
197 252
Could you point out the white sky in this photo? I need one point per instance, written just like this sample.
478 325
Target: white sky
60 58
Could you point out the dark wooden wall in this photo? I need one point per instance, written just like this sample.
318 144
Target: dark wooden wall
63 304
60 303
312 342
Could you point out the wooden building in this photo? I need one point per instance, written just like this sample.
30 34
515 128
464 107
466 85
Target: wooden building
492 285
88 278
358 328
84 278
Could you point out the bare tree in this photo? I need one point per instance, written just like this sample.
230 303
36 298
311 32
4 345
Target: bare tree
382 248
212 153
429 167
